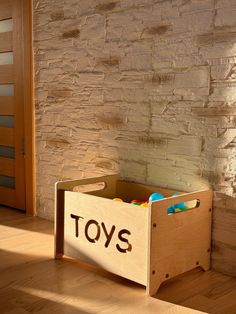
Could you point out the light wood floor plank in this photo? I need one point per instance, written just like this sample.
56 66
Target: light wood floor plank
32 282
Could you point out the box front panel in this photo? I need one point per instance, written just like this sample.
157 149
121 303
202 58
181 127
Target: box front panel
110 234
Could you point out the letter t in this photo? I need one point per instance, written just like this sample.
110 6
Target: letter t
76 223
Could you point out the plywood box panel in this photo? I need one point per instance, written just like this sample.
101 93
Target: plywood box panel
143 244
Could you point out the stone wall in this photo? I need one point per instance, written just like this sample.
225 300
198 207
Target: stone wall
145 88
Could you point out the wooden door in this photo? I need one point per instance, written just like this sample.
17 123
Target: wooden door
12 155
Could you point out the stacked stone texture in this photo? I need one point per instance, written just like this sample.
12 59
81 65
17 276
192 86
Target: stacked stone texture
144 88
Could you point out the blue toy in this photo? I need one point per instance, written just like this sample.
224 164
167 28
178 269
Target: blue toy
171 209
181 206
155 197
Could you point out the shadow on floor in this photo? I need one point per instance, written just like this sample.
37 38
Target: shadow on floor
210 291
16 218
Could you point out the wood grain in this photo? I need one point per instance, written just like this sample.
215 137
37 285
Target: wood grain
6 136
5 12
109 215
177 242
32 282
7 105
6 74
18 57
29 107
6 42
7 196
17 42
163 245
139 191
7 166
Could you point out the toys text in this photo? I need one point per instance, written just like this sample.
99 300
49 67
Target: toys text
99 228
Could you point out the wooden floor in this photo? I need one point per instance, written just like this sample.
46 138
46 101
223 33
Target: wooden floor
32 282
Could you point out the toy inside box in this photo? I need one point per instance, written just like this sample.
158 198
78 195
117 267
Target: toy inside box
143 244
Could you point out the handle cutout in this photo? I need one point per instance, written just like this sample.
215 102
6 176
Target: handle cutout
92 187
179 207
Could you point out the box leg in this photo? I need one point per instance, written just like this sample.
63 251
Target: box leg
59 225
153 286
206 265
58 256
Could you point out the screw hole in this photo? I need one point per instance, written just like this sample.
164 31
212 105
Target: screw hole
167 275
209 250
154 225
209 209
197 263
153 272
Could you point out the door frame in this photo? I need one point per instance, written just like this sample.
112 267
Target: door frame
29 112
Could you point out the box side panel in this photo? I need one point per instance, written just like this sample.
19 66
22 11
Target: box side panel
130 190
109 234
103 186
181 241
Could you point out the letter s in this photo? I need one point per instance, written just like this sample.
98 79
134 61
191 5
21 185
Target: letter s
121 238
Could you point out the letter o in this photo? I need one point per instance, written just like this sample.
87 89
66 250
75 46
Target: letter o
92 222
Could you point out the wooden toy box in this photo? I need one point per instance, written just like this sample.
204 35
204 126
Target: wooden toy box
143 244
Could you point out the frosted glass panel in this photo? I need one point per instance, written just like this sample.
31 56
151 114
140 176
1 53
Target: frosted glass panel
6 181
6 58
7 121
8 152
6 26
6 90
